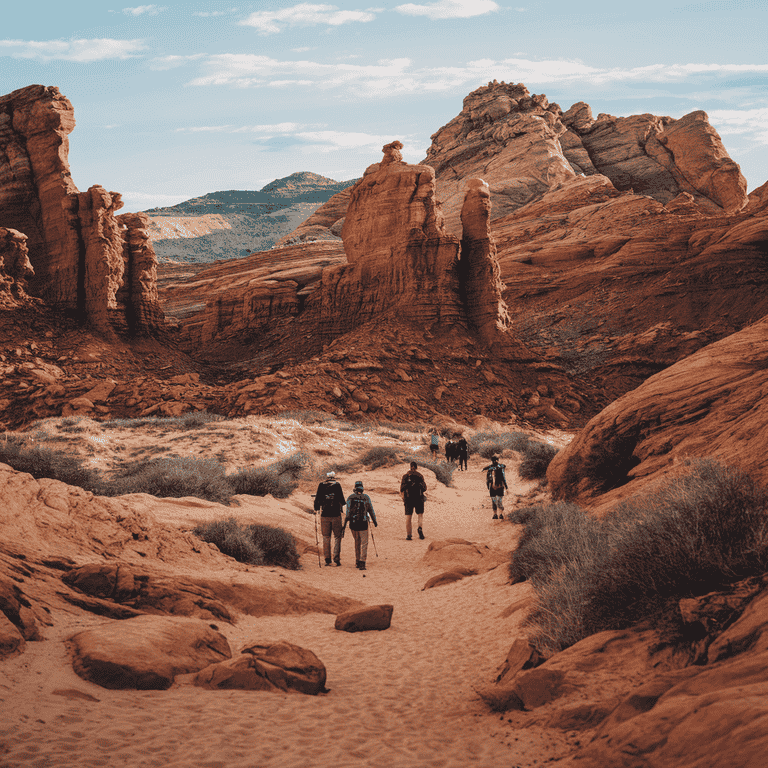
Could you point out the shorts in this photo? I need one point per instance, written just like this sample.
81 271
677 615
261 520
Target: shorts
496 491
415 505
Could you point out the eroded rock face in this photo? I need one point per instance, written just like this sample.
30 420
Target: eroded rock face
15 267
78 249
710 404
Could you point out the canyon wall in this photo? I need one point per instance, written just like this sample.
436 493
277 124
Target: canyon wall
79 249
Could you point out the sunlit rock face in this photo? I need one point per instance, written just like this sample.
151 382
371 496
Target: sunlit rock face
79 250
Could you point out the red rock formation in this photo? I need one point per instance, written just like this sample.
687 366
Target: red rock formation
76 246
15 268
710 404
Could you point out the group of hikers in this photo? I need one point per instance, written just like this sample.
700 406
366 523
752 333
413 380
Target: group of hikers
455 450
359 512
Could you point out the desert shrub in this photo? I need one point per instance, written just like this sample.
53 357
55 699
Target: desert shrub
280 479
72 424
232 539
487 444
379 456
693 535
400 427
339 467
278 546
191 420
307 416
173 477
536 459
41 461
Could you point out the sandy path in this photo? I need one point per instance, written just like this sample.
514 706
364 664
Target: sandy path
403 697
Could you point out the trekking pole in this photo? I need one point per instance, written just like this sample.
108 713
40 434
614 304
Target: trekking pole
374 543
317 542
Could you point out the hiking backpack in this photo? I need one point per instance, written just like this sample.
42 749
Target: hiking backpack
495 477
412 486
357 513
329 502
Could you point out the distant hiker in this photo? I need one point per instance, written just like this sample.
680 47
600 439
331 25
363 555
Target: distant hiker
412 489
359 512
450 450
434 444
463 451
496 480
330 498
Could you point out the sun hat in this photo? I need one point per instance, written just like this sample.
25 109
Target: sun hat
359 484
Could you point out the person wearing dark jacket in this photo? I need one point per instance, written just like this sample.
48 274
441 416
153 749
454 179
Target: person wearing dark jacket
496 480
463 452
330 499
412 489
359 512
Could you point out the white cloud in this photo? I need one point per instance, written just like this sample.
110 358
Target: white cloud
83 51
449 9
173 62
742 121
304 14
139 10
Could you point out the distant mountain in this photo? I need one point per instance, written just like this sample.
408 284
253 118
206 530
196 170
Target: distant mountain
233 223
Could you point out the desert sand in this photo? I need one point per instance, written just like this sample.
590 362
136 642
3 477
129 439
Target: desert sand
400 697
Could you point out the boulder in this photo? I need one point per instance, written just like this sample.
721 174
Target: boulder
279 666
11 640
459 553
146 652
449 577
364 619
15 267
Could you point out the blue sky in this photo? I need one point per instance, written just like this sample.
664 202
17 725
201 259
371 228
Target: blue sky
174 100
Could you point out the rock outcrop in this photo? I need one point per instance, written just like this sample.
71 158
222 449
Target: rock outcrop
15 267
80 251
710 404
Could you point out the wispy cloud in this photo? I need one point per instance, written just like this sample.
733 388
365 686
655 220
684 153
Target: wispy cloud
304 14
742 121
208 14
449 9
149 10
83 51
174 62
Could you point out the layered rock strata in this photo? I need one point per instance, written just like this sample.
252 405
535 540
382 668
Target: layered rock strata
15 267
77 247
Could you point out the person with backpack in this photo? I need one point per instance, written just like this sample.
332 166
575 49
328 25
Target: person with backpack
330 499
412 489
496 480
359 512
450 450
434 444
463 452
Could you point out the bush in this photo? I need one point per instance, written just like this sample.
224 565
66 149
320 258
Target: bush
191 420
536 459
254 544
488 444
443 470
40 461
695 534
379 456
231 539
278 546
280 479
173 477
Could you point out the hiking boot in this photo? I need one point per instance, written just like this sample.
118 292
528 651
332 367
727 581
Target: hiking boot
421 534
327 560
408 537
357 563
501 515
495 517
337 560
362 565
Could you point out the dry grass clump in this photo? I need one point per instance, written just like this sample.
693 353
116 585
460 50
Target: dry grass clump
281 478
380 456
191 420
43 461
693 535
536 459
536 455
253 544
172 477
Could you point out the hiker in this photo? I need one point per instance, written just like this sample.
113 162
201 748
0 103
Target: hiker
496 481
434 444
463 452
450 450
330 498
412 489
359 512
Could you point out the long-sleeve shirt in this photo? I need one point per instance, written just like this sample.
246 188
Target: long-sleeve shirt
369 513
490 476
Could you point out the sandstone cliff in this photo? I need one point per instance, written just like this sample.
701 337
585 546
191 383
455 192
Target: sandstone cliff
15 267
79 250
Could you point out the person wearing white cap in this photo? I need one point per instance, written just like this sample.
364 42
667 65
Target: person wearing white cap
359 512
330 499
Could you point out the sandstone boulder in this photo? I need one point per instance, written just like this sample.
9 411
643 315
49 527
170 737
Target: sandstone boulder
449 577
145 652
372 617
279 666
459 553
15 267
